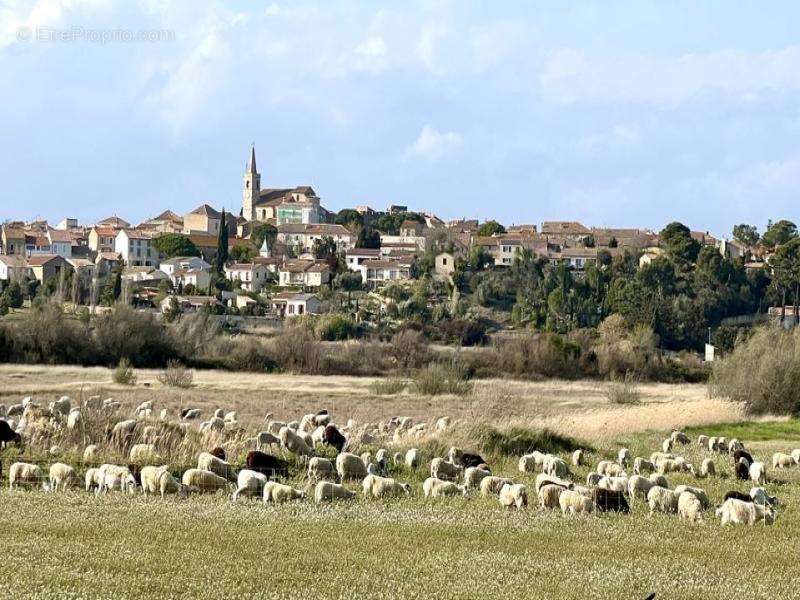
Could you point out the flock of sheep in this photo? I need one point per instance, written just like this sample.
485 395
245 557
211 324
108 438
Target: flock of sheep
608 488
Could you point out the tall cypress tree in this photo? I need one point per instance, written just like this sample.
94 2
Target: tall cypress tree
222 245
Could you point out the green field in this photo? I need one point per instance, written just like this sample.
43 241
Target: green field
76 545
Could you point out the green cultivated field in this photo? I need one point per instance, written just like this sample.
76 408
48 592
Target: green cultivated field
76 545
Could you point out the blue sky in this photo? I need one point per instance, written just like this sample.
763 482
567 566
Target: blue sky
613 113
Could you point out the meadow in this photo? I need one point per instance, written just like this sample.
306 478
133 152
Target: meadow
73 544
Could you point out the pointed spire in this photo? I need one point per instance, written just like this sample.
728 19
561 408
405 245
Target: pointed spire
251 167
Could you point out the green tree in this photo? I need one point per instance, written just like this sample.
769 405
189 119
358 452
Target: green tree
352 219
242 254
261 232
175 244
222 245
490 228
13 295
368 238
779 233
746 234
786 267
679 243
324 247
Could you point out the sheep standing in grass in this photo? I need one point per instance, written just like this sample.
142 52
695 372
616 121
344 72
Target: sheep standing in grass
698 492
662 500
62 476
327 491
555 466
689 507
28 474
543 479
433 487
530 463
678 437
204 481
292 442
702 441
442 469
90 453
760 496
666 445
380 487
350 466
758 473
796 455
548 496
782 461
114 477
158 480
707 468
514 496
659 480
74 418
734 445
642 466
491 486
278 493
92 479
613 484
639 485
142 453
249 483
265 438
577 458
321 469
572 502
736 512
208 462
413 458
624 457
474 475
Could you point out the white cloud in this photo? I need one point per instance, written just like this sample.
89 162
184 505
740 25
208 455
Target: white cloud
571 75
18 15
433 145
620 136
370 55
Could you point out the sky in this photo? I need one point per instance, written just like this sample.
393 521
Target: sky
614 113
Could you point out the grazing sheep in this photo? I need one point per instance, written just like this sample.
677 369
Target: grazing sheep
366 458
62 475
614 484
608 501
204 480
74 418
442 423
593 478
327 491
189 414
740 454
577 458
122 431
114 477
24 473
548 496
278 493
639 485
742 469
434 488
796 455
707 468
760 496
321 469
266 464
250 483
274 427
143 453
265 438
782 461
735 445
8 435
666 445
474 475
441 469
317 436
350 466
149 478
689 507
413 458
333 437
758 473
699 492
702 441
208 462
662 500
624 457
90 453
322 418
530 463
737 512
543 479
464 459
92 479
219 452
380 487
491 486
642 466
555 466
657 457
573 502
398 458
678 437
659 480
674 466
513 496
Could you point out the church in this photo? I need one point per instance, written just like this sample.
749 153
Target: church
279 206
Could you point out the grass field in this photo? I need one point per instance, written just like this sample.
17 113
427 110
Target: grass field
73 545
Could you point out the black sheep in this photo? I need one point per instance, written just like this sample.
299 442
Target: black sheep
333 437
742 471
737 496
609 501
471 460
742 454
219 453
266 464
8 435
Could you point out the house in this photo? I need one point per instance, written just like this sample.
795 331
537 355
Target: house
186 263
37 243
732 248
292 304
397 208
418 241
102 238
203 219
565 230
252 276
60 242
13 237
205 243
303 273
189 303
375 273
409 228
136 248
114 222
166 222
355 256
638 239
12 267
578 258
303 235
502 249
47 267
300 205
444 265
199 278
105 262
649 255
67 223
522 229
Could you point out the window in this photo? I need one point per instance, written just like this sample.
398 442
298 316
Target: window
444 262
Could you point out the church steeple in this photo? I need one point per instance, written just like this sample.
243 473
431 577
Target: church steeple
252 187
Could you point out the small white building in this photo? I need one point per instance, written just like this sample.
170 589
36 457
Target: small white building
12 267
375 273
136 248
356 256
187 263
291 304
199 278
303 273
253 276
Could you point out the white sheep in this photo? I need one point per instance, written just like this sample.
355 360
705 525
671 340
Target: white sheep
707 468
115 477
350 466
191 414
796 455
666 445
613 484
491 486
702 441
689 507
442 469
265 438
782 461
62 405
662 500
63 476
577 458
321 469
638 485
208 462
474 475
292 442
514 496
90 453
317 436
433 487
574 502
203 480
698 492
143 453
530 463
659 480
592 479
758 473
24 473
74 418
734 445
92 479
737 512
642 466
545 479
328 491
250 483
555 466
278 493
442 423
624 457
380 487
678 437
657 457
548 496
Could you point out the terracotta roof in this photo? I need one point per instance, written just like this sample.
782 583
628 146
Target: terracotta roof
314 229
37 260
114 222
105 231
206 210
60 236
363 252
138 234
12 260
564 228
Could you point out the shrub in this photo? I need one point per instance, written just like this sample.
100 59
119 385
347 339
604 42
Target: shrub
622 392
409 350
387 387
516 441
542 355
135 335
439 379
296 349
46 335
335 327
176 375
763 373
464 332
248 355
124 373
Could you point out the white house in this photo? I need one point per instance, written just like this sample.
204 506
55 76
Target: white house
187 263
303 273
253 276
356 256
377 272
136 248
60 242
199 278
303 235
291 304
417 241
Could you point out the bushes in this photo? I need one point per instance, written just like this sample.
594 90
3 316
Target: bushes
335 327
439 379
46 335
135 335
409 349
387 387
296 350
248 355
763 373
622 392
124 374
463 332
176 375
544 355
516 441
